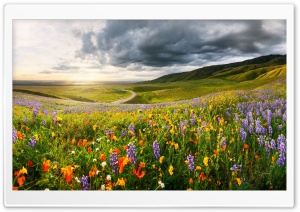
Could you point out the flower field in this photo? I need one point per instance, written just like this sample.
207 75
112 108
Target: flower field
234 140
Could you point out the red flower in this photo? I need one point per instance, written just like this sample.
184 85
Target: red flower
29 164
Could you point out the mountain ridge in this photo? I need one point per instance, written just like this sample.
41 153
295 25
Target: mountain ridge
226 70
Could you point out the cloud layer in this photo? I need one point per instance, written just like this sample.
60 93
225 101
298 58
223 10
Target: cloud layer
129 43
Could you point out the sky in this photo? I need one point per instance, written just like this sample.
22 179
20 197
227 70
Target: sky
136 50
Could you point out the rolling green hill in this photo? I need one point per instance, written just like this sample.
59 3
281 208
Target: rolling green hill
240 71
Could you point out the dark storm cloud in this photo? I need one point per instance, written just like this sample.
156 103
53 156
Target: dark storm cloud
182 42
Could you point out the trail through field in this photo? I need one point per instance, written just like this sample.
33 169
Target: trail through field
120 101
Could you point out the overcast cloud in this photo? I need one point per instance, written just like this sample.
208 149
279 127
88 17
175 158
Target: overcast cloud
156 48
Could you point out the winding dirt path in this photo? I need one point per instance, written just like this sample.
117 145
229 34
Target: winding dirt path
120 101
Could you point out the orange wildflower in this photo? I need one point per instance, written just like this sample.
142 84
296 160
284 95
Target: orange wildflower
138 173
79 143
191 181
68 173
14 188
91 174
246 146
201 177
102 157
141 143
20 136
73 141
273 159
257 156
117 151
46 165
125 147
215 151
21 180
84 142
122 163
89 150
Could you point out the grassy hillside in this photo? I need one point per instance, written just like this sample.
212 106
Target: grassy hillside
225 69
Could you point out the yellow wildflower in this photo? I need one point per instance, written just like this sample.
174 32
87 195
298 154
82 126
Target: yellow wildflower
239 181
161 159
171 170
23 171
120 182
198 168
176 146
205 161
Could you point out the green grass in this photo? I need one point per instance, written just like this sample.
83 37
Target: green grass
84 93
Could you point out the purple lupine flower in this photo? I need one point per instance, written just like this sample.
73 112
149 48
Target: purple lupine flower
181 128
281 145
32 142
53 114
223 140
245 123
261 140
131 129
269 117
191 164
272 144
14 135
249 115
243 134
123 133
156 149
268 146
35 112
131 153
270 130
85 183
113 161
236 117
45 112
278 112
250 129
193 121
44 123
236 167
284 116
257 125
186 111
279 127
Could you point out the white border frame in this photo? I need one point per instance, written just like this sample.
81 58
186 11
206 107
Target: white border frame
147 198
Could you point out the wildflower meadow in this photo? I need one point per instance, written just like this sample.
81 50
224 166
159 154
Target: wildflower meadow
232 140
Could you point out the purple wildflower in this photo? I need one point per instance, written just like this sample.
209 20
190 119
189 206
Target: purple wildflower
245 123
243 134
131 129
191 164
261 140
43 123
250 129
269 117
156 149
272 144
14 135
279 127
32 142
236 167
85 183
270 130
193 121
26 119
123 133
131 153
281 145
113 160
284 116
267 145
223 140
53 114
